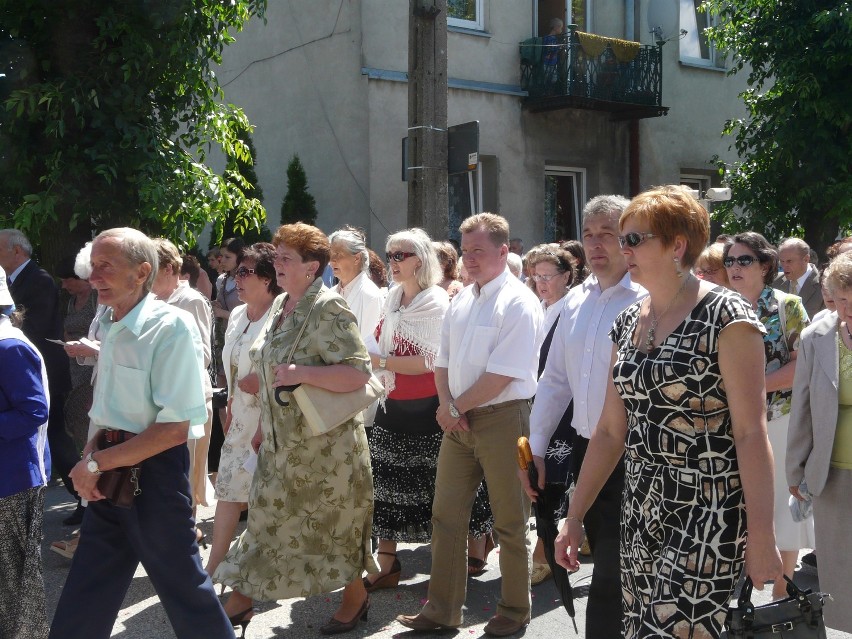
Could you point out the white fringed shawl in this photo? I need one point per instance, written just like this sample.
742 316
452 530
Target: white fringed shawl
418 325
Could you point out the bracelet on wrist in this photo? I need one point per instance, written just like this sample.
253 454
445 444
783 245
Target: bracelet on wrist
573 518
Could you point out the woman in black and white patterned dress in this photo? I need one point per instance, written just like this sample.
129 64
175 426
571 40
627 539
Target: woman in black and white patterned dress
687 407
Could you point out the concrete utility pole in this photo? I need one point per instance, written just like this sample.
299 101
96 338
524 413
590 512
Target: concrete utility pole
427 117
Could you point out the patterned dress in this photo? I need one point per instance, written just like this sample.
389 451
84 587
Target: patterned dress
311 500
79 399
780 342
233 482
683 518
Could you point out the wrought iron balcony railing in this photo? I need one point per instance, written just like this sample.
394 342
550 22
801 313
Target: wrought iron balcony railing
588 71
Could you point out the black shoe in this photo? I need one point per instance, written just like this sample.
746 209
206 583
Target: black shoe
810 560
75 518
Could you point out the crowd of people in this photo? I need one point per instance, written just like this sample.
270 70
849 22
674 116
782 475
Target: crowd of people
690 394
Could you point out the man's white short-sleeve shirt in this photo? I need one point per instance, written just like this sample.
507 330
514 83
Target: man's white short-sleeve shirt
495 329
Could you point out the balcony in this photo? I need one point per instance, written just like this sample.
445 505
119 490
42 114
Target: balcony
578 70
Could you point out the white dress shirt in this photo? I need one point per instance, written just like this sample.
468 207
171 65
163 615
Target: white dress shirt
11 277
495 329
578 364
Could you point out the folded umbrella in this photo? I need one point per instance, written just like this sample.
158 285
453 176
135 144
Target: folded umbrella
546 505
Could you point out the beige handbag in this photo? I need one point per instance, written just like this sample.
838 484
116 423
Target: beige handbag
324 410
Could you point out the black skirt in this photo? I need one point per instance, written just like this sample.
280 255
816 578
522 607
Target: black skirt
404 445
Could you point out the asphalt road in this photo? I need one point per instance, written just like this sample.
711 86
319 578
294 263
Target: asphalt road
142 616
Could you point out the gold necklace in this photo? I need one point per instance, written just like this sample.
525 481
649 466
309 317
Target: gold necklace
649 338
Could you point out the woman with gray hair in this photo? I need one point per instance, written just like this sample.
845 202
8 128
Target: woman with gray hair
350 262
406 438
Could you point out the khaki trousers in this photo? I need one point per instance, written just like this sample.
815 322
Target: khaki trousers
488 450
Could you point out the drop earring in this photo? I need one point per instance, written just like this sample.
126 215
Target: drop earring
677 267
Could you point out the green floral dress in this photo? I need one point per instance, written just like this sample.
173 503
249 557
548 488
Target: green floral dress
311 501
778 344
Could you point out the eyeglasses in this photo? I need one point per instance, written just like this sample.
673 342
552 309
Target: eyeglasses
244 272
633 239
545 278
399 256
699 272
742 260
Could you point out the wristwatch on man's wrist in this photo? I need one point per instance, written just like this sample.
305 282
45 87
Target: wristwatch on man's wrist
454 412
92 465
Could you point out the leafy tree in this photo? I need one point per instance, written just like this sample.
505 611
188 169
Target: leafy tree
299 205
108 112
230 225
795 170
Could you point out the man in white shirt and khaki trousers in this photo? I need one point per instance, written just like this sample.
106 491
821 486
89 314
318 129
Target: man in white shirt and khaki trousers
485 374
578 367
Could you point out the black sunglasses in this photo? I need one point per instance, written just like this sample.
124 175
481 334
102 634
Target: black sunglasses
742 260
633 239
399 256
244 272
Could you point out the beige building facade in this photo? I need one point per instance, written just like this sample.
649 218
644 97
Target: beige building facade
326 79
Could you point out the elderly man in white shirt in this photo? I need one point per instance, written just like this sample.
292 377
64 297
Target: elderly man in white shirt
485 374
578 367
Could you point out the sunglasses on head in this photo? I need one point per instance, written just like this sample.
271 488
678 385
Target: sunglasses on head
633 239
244 272
399 256
742 260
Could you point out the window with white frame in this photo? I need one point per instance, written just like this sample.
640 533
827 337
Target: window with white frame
467 14
695 48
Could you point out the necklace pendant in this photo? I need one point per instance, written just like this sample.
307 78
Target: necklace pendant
649 340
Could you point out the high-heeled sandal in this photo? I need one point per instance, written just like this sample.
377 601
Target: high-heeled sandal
242 619
387 580
477 566
200 538
335 627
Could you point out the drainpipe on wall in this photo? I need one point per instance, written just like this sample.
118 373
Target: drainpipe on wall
634 158
630 33
629 21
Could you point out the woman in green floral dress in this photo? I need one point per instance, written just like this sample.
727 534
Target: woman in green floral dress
311 500
751 263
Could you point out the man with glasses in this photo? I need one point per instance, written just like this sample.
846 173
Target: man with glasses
485 374
578 367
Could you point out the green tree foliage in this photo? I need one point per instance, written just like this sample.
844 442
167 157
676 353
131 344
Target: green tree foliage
299 205
108 112
241 174
795 145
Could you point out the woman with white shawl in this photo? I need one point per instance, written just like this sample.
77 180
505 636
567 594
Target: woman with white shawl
405 439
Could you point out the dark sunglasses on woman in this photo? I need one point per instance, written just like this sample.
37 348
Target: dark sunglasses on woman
244 272
742 260
633 239
399 256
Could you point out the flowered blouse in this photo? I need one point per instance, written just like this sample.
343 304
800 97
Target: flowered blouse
778 343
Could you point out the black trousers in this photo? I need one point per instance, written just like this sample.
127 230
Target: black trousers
604 612
158 531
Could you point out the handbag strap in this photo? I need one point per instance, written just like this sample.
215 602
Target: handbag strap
302 329
744 603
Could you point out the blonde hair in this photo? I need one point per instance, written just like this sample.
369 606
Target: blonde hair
421 245
496 226
838 273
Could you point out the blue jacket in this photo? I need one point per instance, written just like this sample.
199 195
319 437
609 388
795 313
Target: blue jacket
23 413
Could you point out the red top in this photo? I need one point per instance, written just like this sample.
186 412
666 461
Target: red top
409 386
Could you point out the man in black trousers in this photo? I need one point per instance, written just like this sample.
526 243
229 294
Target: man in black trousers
578 367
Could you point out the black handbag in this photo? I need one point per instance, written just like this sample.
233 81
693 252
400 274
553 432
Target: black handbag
799 616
